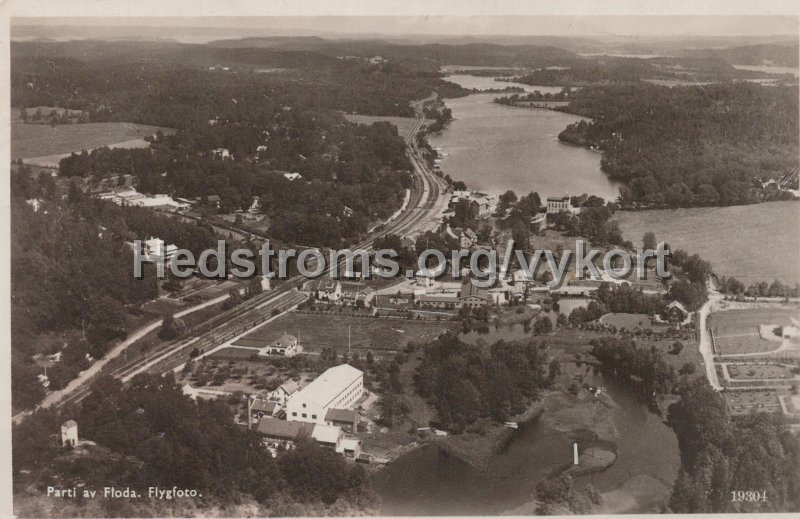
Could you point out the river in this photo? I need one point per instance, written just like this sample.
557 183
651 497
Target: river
494 148
429 482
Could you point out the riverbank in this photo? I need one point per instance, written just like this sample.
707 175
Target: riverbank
589 421
583 417
492 468
478 448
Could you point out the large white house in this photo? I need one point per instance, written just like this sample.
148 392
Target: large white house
340 387
285 345
154 250
556 204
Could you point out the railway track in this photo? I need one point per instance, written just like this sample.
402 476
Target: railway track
423 200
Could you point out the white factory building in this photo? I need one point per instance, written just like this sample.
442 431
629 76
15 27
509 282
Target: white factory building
340 387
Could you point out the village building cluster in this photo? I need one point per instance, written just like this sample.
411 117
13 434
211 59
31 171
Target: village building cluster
325 410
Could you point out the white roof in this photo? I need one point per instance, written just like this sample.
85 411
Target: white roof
329 385
326 433
677 304
350 444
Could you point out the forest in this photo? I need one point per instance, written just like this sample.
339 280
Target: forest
72 286
151 434
607 70
270 124
688 146
625 360
720 454
175 84
464 382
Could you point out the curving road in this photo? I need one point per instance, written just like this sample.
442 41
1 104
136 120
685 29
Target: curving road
706 348
425 204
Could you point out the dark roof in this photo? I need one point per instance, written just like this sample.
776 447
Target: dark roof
284 430
437 298
341 415
469 289
284 341
289 387
263 405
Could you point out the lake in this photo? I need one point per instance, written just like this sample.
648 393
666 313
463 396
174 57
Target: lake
494 148
753 243
772 69
488 83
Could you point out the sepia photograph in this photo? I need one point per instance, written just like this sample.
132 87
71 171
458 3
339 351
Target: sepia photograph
434 259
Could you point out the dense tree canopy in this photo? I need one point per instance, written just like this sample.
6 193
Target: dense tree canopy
160 437
465 383
688 146
720 454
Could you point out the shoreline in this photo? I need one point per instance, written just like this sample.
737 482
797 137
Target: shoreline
584 418
573 420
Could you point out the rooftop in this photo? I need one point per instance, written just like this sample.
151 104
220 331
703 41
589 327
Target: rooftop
341 415
263 405
281 429
327 433
350 444
284 341
678 305
469 289
290 386
328 385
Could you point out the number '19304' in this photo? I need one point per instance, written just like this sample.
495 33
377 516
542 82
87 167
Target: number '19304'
748 495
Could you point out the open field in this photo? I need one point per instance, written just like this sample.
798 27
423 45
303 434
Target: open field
737 331
316 332
627 321
749 242
46 143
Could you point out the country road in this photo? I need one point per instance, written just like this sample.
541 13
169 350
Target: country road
83 378
425 204
706 348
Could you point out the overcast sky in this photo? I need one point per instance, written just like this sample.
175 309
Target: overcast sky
462 25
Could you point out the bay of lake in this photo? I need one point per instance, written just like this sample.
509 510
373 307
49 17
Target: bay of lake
494 148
